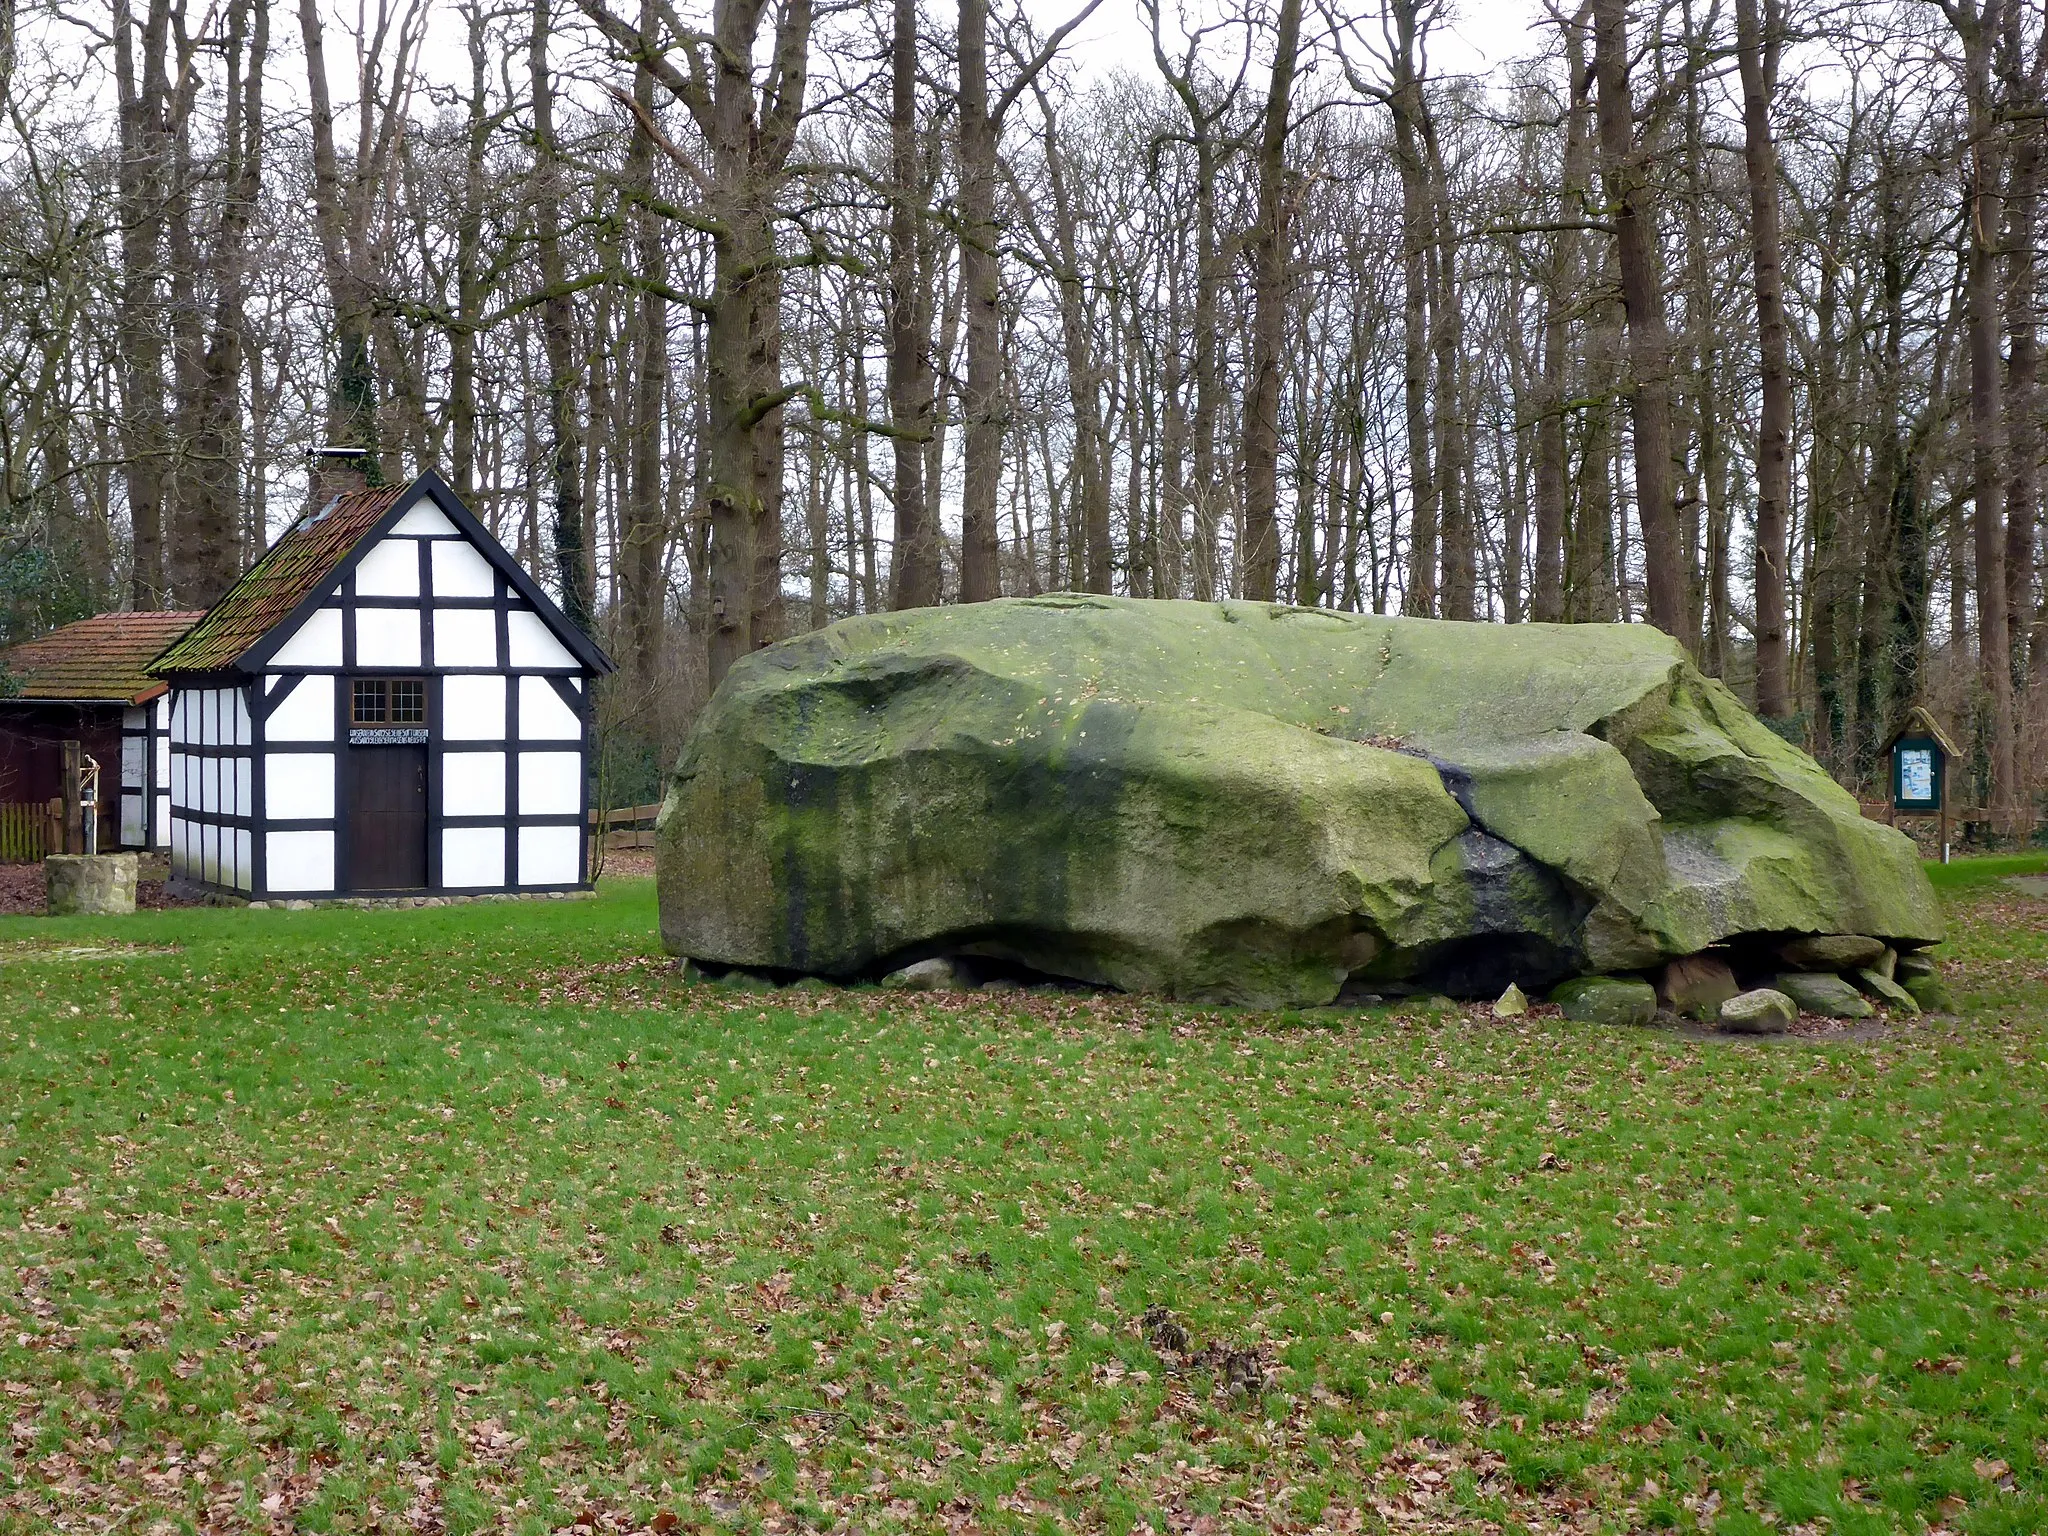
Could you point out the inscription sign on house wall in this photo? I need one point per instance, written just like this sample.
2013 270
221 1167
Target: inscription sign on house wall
387 736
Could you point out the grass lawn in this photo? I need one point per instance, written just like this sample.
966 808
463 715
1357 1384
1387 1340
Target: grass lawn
478 1218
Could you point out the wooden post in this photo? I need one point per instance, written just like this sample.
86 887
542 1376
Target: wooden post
1944 807
74 828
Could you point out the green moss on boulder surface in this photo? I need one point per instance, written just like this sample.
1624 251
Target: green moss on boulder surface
1251 803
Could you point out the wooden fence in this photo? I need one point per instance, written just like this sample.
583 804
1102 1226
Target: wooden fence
24 832
630 826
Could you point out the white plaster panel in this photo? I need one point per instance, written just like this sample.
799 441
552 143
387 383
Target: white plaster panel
131 820
299 861
134 760
548 855
460 570
135 719
465 637
163 760
209 853
531 643
550 784
245 862
209 784
390 569
163 710
239 702
298 786
473 708
316 643
178 710
387 637
178 862
472 857
162 819
245 798
542 714
304 714
425 519
472 783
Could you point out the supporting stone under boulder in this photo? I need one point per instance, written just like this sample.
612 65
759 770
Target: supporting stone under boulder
1252 803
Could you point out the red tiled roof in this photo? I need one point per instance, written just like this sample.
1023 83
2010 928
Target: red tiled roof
103 657
291 570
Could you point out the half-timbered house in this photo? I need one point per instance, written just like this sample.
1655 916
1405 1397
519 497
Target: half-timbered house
385 704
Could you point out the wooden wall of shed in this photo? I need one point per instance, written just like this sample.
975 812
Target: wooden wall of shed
32 737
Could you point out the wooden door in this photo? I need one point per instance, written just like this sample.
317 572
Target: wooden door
387 818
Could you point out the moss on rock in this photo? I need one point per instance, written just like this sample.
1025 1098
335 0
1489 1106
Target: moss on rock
1250 803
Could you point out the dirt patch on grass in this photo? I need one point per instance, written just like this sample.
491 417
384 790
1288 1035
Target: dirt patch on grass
629 864
21 889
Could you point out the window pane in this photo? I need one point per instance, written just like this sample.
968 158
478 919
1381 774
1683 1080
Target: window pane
408 702
369 701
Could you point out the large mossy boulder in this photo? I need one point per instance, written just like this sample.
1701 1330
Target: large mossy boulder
1252 803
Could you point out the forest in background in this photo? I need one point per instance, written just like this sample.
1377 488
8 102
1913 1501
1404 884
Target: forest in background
1721 315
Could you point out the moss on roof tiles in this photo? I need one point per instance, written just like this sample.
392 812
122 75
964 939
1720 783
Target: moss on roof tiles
291 570
104 657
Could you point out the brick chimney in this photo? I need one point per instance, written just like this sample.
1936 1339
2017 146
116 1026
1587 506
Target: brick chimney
334 471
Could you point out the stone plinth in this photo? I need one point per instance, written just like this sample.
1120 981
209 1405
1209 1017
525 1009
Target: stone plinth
89 884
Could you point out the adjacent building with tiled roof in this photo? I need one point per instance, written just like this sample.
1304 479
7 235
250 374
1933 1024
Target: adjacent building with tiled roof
89 682
101 660
385 702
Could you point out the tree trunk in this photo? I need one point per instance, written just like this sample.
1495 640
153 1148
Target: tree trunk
1987 425
144 432
1082 394
981 404
643 536
209 553
1758 39
1405 102
1642 297
558 339
1270 249
1456 528
914 567
2023 404
352 404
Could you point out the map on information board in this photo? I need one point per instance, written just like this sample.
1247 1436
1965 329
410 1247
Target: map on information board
1916 774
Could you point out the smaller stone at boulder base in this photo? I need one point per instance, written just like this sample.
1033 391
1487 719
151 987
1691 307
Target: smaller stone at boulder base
1884 989
1002 984
1931 993
1915 962
939 975
1831 952
1512 1004
1762 1012
1696 986
746 981
811 984
1606 1000
1829 996
1887 964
